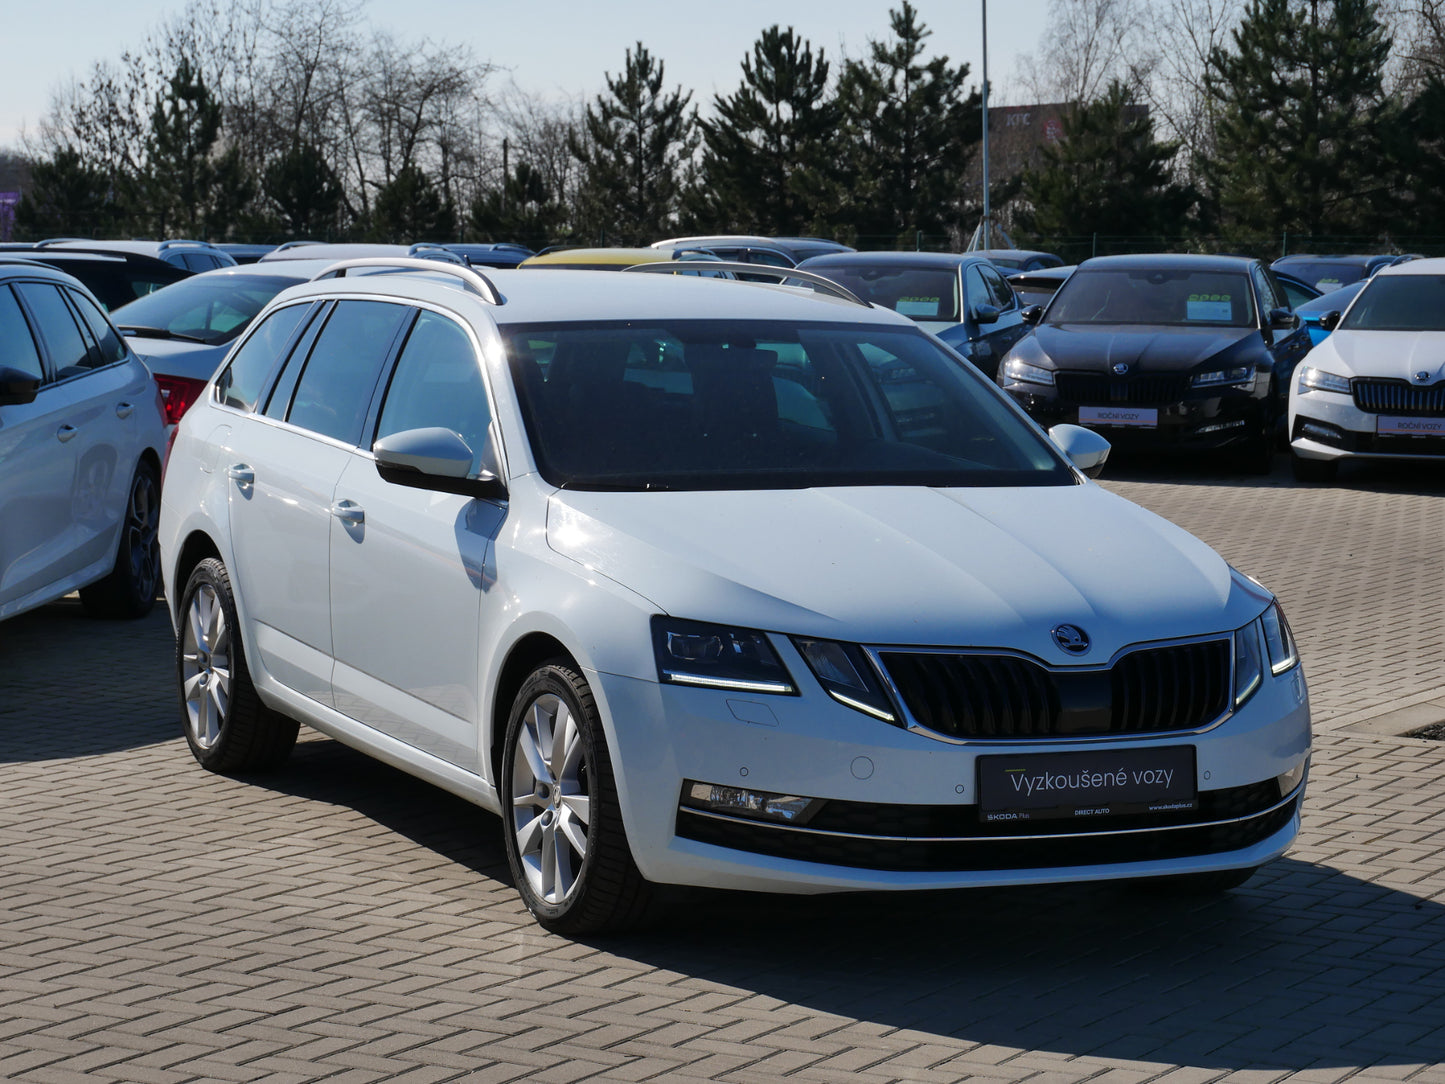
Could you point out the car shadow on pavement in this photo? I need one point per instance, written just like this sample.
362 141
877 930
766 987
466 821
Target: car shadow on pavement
1305 967
62 695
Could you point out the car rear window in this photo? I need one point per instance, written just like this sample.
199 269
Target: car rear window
920 293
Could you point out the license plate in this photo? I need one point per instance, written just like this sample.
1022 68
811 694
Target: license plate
1143 417
1410 427
1086 784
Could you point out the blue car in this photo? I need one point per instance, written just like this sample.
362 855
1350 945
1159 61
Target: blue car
960 297
1328 273
1311 312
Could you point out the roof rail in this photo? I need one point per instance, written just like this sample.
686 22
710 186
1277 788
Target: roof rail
478 283
782 274
181 242
293 244
64 241
442 253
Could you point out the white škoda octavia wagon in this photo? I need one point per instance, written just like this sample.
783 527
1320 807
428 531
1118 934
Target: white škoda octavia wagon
713 583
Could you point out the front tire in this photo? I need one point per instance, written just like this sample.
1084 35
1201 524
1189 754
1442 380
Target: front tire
566 844
226 725
129 589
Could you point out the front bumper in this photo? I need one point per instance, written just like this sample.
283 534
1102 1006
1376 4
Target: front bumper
1206 423
1329 426
900 809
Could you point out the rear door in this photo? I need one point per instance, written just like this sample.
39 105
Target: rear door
283 464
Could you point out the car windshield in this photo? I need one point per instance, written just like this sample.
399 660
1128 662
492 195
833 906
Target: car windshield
1157 297
209 310
1326 274
712 405
920 293
1399 303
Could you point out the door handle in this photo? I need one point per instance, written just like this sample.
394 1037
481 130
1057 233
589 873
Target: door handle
349 512
241 474
124 410
65 432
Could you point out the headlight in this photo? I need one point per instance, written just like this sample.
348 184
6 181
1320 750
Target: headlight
1312 379
717 657
1267 637
1278 640
1022 372
1248 667
1240 374
844 672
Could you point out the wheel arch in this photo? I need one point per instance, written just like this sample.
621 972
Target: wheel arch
196 548
525 655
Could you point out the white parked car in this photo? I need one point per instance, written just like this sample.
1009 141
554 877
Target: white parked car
713 583
1375 389
81 446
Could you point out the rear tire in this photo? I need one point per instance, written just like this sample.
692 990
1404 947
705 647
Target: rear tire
226 725
129 589
566 844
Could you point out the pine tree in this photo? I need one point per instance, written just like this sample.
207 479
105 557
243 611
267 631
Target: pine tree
1303 119
768 162
909 132
410 209
1420 144
635 143
305 192
1106 175
523 209
176 190
67 197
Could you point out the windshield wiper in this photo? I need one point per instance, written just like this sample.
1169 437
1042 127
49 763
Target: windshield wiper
161 333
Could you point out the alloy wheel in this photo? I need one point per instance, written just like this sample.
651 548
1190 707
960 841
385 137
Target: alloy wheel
206 666
550 805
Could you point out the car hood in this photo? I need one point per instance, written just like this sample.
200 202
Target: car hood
1147 349
172 357
1395 354
911 565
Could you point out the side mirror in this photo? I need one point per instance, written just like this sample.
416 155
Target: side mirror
436 459
1085 448
1330 320
987 314
1033 314
17 388
1282 320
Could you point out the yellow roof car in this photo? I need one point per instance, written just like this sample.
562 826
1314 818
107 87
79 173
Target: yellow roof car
616 259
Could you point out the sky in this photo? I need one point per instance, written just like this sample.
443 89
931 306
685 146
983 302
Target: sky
556 48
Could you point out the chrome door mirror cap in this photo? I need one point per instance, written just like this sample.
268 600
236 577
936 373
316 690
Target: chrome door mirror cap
1086 449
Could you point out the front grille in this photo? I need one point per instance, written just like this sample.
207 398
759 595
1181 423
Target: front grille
948 839
1162 689
1076 387
1398 397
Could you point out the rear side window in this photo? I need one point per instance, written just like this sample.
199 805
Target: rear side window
335 388
240 384
107 339
17 348
69 351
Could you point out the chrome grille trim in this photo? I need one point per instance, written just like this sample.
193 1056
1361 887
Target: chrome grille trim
1377 396
913 725
1092 387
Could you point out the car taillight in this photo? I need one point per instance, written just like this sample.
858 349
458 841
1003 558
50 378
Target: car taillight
177 395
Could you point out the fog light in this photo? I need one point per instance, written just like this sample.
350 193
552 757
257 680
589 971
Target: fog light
757 804
1292 778
1219 427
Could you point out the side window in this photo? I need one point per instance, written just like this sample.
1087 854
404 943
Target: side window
108 342
1269 297
69 351
975 292
1000 292
335 388
438 382
17 348
240 384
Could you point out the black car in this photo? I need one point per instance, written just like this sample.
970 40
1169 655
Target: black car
1165 352
115 278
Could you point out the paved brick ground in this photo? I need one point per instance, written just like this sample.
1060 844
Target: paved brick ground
339 921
